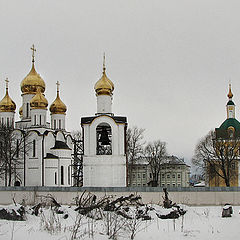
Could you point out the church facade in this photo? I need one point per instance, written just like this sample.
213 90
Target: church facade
40 152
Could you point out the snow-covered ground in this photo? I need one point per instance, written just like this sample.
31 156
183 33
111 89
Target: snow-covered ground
198 223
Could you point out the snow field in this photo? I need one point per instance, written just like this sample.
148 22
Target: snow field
198 223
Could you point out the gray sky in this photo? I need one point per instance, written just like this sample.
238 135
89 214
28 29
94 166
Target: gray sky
170 61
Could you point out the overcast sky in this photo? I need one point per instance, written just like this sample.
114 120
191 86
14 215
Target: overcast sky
170 61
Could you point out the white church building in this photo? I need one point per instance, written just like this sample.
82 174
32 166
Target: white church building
44 152
43 149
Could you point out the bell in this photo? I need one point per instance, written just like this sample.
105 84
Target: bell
104 140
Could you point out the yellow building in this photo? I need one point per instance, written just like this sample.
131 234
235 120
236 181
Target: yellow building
224 170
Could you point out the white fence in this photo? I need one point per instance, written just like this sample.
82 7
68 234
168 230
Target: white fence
188 196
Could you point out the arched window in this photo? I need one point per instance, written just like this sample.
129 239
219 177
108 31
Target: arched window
104 139
231 131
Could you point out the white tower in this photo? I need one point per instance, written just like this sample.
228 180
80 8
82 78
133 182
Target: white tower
104 136
58 112
7 109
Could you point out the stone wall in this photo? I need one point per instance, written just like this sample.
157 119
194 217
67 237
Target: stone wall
66 195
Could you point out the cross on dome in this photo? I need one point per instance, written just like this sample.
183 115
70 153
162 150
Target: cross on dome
104 65
58 84
7 81
33 50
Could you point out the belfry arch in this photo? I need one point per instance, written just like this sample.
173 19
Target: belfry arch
104 139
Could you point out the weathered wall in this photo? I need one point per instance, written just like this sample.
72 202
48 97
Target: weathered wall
66 195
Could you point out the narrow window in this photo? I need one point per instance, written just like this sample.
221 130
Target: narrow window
7 122
62 175
59 124
27 110
35 120
69 174
40 119
55 178
17 150
34 148
54 124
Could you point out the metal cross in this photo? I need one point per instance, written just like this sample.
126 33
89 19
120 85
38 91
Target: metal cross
58 84
104 59
7 81
33 50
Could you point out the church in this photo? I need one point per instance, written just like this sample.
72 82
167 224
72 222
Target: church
224 169
41 152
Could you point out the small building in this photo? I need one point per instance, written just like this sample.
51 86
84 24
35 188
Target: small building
174 173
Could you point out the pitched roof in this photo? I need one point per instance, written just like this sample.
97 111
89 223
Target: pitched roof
61 145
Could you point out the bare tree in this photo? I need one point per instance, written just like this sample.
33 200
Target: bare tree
77 158
155 152
13 149
217 157
135 145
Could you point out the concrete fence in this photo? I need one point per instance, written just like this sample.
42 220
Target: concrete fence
66 195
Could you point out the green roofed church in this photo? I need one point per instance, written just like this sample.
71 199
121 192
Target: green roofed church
227 144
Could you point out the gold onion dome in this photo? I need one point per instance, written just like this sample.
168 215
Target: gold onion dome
104 86
39 101
230 95
58 107
33 80
7 104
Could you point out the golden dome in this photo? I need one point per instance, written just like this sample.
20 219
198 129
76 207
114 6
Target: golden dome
39 101
21 111
104 86
58 107
7 104
230 95
32 81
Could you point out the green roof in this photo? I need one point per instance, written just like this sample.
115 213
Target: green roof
230 102
230 122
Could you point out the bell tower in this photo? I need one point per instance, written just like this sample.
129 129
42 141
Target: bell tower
230 105
104 137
